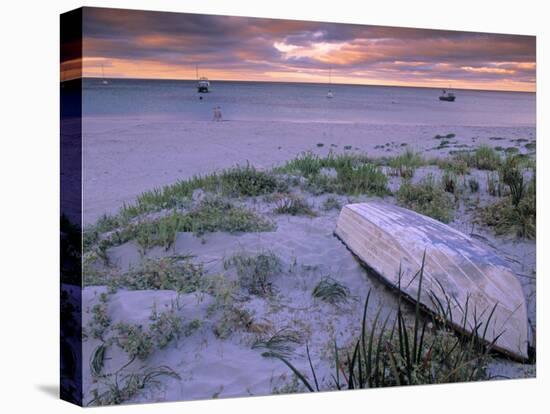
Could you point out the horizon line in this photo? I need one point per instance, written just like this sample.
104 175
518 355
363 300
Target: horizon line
306 82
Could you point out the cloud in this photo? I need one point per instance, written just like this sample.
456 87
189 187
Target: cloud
159 44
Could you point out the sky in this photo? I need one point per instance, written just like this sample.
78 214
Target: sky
141 44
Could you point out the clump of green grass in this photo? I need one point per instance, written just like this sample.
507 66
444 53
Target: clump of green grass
307 164
165 327
168 273
281 343
355 174
483 158
516 212
331 291
255 272
119 388
456 164
295 206
134 340
388 354
486 158
512 176
531 146
247 181
511 150
362 179
331 203
220 215
212 214
504 218
191 327
426 197
233 319
233 182
406 164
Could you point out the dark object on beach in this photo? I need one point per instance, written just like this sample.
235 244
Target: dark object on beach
464 282
447 96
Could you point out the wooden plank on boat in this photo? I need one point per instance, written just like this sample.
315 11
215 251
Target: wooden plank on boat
389 240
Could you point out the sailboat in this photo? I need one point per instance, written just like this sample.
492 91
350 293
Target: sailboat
330 95
447 96
103 80
203 84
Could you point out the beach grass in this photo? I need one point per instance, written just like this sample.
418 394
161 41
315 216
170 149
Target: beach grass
256 271
426 197
119 388
456 164
405 164
354 174
175 273
516 212
239 181
294 205
211 214
281 342
361 179
330 290
485 158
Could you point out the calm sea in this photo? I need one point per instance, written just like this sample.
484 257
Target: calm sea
294 102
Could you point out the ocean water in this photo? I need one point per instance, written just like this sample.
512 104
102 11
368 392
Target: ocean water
301 102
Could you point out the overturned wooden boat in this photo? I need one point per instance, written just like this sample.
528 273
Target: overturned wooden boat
391 241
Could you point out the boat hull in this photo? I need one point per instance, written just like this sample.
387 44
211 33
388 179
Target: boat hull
457 270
